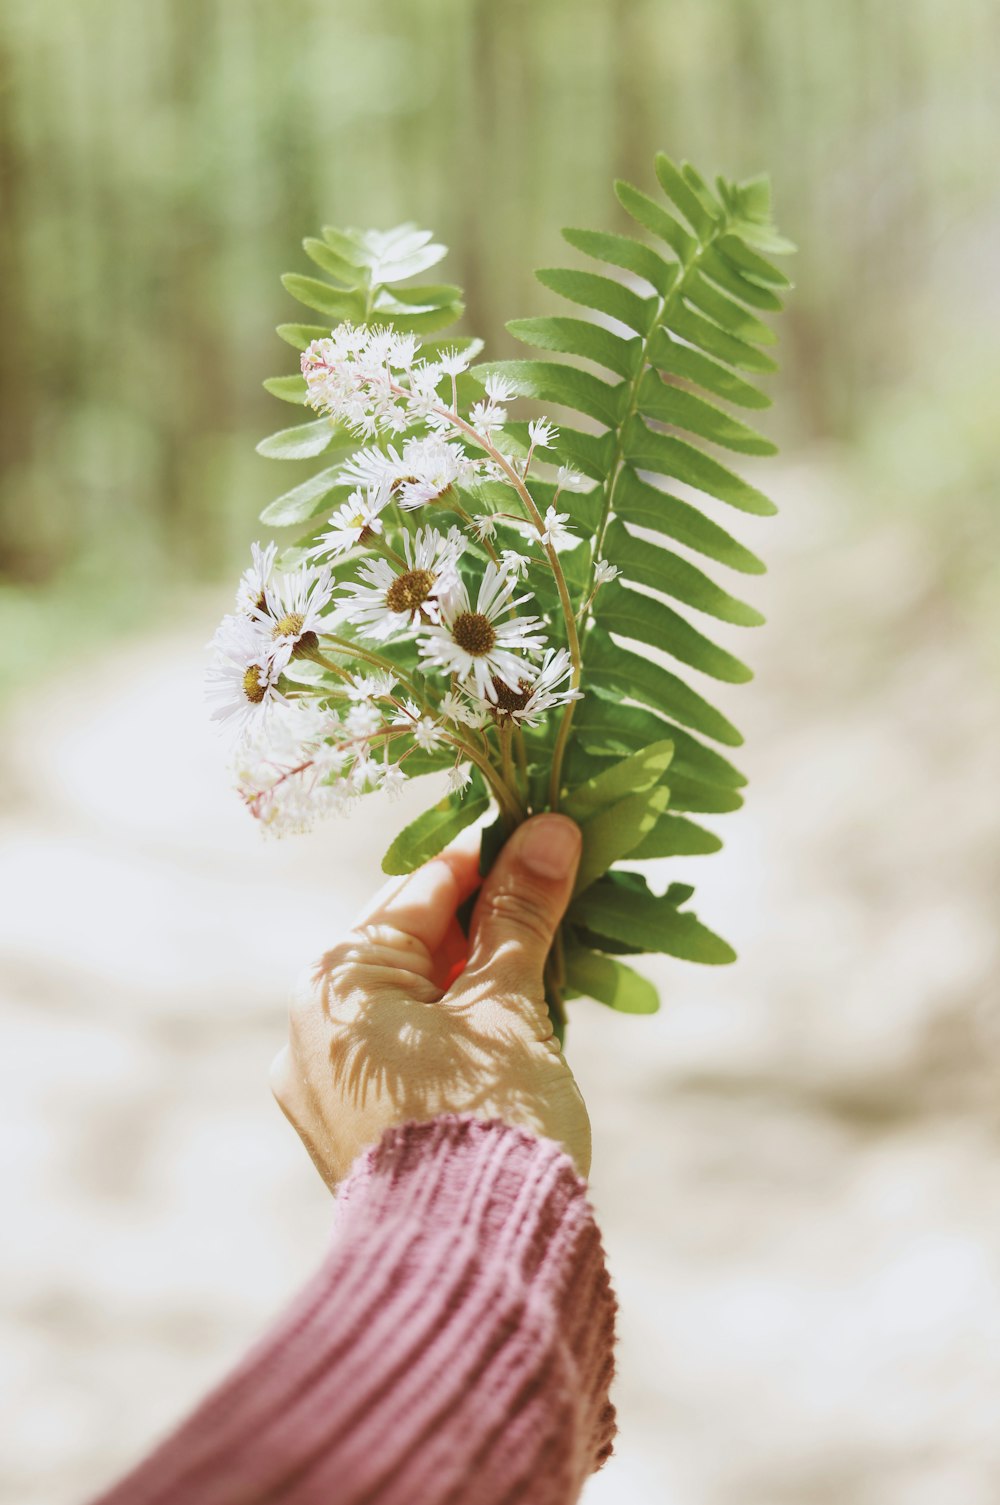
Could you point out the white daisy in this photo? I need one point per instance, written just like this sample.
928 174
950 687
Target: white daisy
360 515
428 469
554 530
385 600
244 680
293 607
539 693
482 643
255 580
603 572
371 468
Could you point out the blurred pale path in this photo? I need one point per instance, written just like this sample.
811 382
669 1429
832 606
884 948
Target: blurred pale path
796 1162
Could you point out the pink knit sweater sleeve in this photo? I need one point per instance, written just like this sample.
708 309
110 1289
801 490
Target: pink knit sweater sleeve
455 1348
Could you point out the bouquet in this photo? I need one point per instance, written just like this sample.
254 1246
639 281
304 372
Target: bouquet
495 597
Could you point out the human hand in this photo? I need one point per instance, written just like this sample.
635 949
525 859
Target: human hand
381 1035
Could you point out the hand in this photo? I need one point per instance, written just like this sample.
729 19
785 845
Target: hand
380 1033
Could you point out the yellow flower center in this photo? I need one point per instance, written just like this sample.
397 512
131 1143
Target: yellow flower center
474 632
409 591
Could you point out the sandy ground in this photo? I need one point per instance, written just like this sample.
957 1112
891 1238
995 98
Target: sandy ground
796 1165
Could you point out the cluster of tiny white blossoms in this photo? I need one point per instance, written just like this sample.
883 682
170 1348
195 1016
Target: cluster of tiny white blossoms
321 715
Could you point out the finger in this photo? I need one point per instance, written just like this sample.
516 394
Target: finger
424 904
451 956
522 902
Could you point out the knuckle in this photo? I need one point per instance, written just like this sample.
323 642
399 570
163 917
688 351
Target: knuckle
522 911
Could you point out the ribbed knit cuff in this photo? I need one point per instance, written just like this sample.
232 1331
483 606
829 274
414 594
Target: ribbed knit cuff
454 1349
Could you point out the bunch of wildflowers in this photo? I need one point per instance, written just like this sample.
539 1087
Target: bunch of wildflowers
403 630
490 596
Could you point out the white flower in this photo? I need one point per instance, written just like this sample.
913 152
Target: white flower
408 712
459 778
283 771
484 418
481 643
484 526
243 682
541 434
555 533
499 389
427 734
385 599
366 773
360 514
371 468
453 362
255 580
362 721
393 780
603 572
537 695
514 563
428 468
371 686
451 707
292 612
568 479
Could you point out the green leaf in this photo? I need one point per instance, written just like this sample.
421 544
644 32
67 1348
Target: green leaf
650 922
736 252
714 265
673 836
301 335
662 570
667 403
612 833
332 301
623 251
578 337
727 312
679 190
645 619
604 724
593 975
647 507
671 456
670 356
329 260
618 669
288 388
655 218
302 502
602 294
710 337
431 832
301 442
553 382
634 774
421 298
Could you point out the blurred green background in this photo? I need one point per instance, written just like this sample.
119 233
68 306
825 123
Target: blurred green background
160 163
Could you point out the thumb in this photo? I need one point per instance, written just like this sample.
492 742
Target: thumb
522 902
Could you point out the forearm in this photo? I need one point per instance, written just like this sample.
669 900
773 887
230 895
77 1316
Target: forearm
455 1347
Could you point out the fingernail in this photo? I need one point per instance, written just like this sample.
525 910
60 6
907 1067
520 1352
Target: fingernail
550 846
